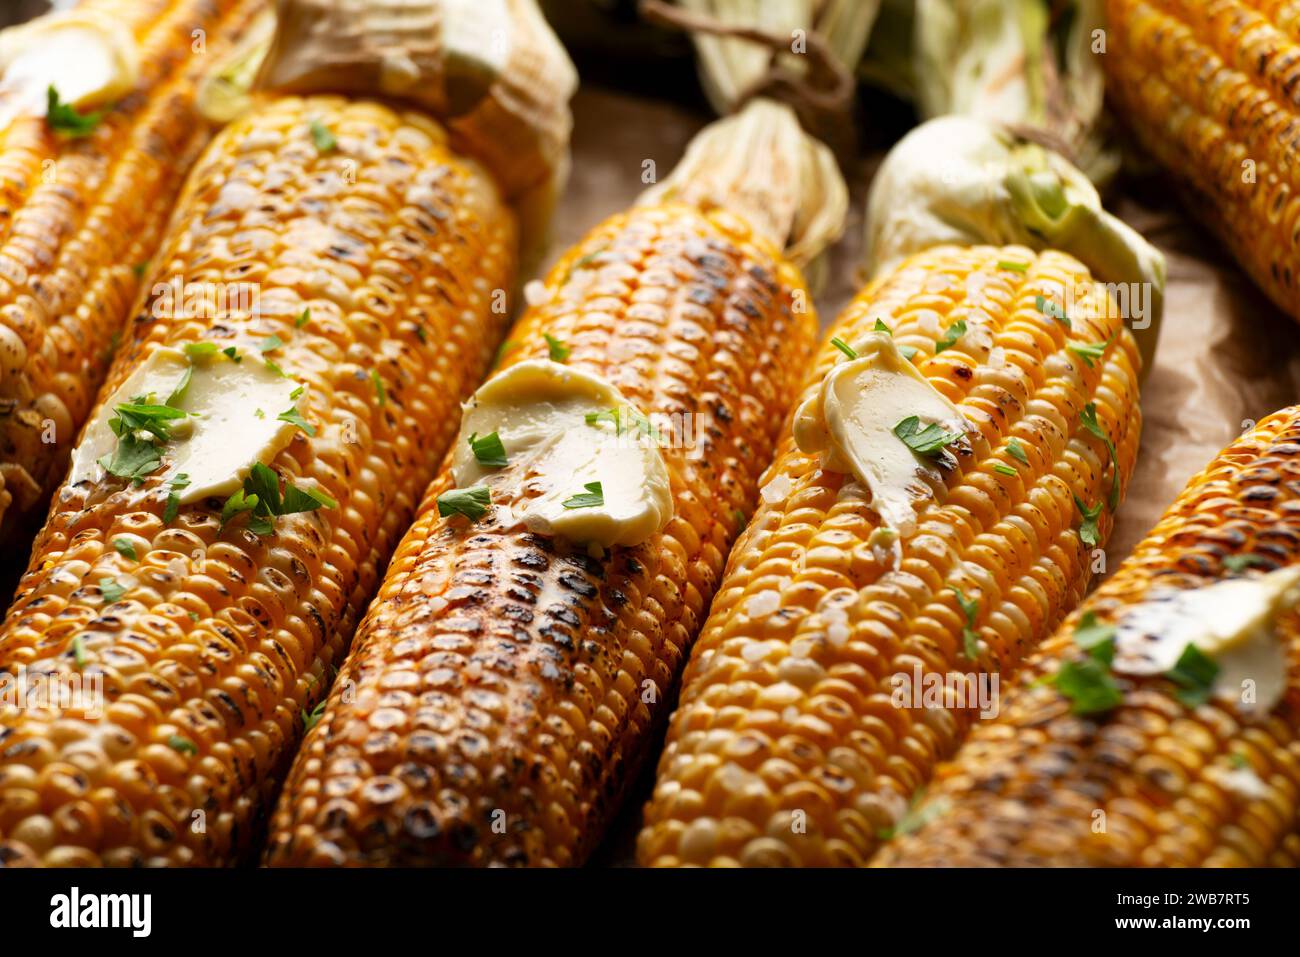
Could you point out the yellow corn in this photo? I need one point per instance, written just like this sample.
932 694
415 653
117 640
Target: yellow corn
79 221
1154 782
787 746
375 263
504 686
1208 87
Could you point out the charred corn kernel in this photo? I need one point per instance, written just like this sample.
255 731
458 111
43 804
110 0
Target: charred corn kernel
1153 782
789 745
1208 89
375 266
80 220
504 684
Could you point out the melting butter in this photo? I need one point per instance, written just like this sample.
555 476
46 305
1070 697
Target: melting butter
1231 622
234 420
850 421
539 410
88 60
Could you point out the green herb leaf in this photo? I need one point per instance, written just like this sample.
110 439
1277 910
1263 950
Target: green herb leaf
1097 640
489 450
971 609
505 347
1012 265
741 520
303 318
233 353
918 815
183 745
1003 469
1089 686
380 391
559 352
844 347
1050 309
881 327
199 350
592 498
111 590
1194 672
470 502
322 137
1090 352
1239 563
180 481
178 393
929 441
312 718
64 119
950 336
237 503
79 652
125 548
298 499
909 352
1017 452
140 268
1090 424
1089 532
294 417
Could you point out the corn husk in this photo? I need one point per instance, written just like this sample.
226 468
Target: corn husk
491 70
1027 64
760 165
958 180
730 67
227 90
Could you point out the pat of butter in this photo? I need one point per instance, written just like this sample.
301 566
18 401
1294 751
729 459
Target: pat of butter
88 60
850 421
1231 622
234 424
539 410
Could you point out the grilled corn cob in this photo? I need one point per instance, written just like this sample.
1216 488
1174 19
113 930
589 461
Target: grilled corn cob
504 685
80 219
786 747
1155 781
1208 88
376 250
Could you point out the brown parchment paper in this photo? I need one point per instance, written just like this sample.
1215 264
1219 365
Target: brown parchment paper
1226 357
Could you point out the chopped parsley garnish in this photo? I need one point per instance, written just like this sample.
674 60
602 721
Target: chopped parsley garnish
916 817
624 419
1096 639
908 351
1017 451
380 391
140 427
64 119
971 609
312 718
322 137
1090 352
294 417
180 481
304 317
470 502
420 333
1089 533
950 336
881 327
929 441
1239 563
296 394
79 652
233 353
592 498
200 350
1050 309
1090 424
741 520
181 387
183 745
1194 673
262 497
1003 469
125 548
270 343
559 352
844 347
488 450
1089 686
111 590
1013 265
139 269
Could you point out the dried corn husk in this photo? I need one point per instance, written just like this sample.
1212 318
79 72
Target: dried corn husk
964 181
491 70
730 67
760 165
227 91
1027 64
